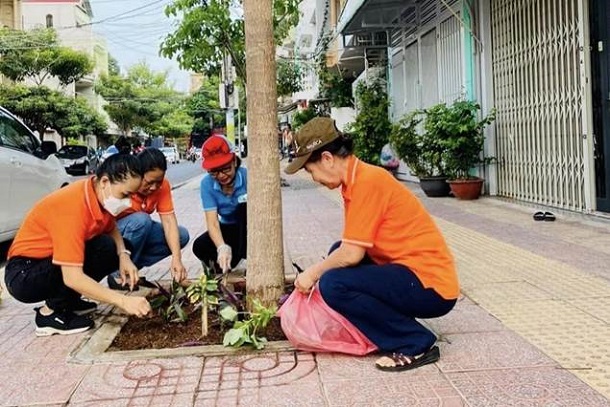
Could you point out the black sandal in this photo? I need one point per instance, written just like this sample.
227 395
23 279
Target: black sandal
405 362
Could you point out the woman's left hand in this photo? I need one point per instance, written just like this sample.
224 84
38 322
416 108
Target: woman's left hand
129 271
178 270
306 280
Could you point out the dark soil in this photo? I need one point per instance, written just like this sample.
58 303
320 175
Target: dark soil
155 333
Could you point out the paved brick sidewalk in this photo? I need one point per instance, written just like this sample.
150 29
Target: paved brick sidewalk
531 330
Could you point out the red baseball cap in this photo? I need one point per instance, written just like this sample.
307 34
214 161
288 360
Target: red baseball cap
216 152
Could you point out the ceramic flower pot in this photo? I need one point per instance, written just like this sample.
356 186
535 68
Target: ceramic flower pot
466 189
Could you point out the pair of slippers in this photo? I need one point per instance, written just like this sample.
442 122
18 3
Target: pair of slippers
544 216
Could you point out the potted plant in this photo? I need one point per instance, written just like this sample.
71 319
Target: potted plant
463 146
422 152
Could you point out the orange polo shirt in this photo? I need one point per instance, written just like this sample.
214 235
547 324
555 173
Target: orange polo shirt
59 225
384 217
160 200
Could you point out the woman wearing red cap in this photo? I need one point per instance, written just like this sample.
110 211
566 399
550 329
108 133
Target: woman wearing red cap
223 196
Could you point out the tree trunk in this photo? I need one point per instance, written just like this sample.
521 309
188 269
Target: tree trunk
265 280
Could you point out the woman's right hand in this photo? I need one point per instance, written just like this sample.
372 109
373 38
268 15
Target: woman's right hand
138 306
306 280
224 257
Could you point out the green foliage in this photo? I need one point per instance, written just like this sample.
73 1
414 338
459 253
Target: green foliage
205 104
74 142
460 135
144 99
170 303
36 54
371 129
289 78
42 108
464 144
246 332
302 117
422 151
335 87
207 31
334 83
113 66
451 141
204 290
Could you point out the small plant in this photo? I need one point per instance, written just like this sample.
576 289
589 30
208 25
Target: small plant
203 292
245 332
464 139
170 303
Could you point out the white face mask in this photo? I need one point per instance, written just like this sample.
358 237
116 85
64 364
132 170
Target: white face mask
115 205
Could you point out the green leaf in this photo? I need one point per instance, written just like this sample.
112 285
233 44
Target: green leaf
233 337
228 313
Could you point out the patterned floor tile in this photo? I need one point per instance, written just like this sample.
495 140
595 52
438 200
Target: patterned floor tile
395 389
161 382
19 344
489 350
464 318
30 383
293 395
525 388
339 367
233 379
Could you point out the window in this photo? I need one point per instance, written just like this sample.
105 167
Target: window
49 20
14 135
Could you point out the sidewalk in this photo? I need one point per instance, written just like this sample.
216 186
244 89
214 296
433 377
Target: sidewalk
532 327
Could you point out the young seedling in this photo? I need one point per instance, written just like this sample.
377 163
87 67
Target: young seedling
170 302
203 292
245 332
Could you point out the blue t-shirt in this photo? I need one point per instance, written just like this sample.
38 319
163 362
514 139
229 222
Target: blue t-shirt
213 199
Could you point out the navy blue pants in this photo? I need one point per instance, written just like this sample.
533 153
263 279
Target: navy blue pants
382 301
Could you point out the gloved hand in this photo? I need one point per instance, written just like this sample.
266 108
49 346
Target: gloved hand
224 257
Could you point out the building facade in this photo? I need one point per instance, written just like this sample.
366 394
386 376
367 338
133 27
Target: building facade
10 14
71 19
544 65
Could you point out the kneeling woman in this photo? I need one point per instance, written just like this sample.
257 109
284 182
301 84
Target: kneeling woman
223 195
392 264
152 241
68 242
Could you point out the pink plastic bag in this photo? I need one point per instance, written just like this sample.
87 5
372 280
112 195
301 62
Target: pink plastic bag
311 325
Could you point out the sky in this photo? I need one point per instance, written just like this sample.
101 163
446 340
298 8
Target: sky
133 30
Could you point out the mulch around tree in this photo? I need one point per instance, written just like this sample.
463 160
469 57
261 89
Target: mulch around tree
155 333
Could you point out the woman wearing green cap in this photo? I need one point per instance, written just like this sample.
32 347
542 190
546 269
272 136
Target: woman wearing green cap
392 264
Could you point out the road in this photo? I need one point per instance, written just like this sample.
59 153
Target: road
186 170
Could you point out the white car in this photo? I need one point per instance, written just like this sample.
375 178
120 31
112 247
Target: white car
171 154
29 170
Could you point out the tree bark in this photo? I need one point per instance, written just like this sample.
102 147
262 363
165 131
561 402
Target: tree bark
265 280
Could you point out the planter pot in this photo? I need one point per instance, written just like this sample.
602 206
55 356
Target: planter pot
466 189
434 187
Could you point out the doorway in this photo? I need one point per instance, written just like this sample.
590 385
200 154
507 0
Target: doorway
599 12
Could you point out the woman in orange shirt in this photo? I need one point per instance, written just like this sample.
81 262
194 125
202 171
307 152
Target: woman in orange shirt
152 241
69 242
392 264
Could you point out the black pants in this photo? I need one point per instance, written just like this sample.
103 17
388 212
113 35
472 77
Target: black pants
34 280
235 235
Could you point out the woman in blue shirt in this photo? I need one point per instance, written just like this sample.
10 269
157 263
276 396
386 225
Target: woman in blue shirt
223 195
